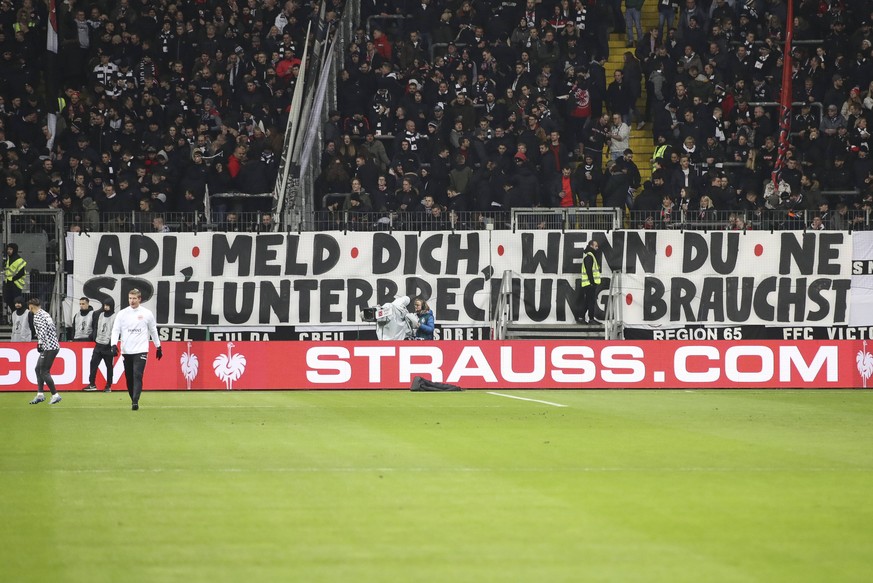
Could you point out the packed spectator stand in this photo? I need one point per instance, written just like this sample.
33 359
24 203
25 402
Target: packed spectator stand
157 104
449 114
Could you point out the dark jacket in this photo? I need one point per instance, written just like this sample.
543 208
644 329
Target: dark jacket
615 190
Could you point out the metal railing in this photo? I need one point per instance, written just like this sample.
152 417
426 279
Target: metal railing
437 219
348 220
562 219
779 219
503 311
614 320
320 98
217 220
567 218
39 234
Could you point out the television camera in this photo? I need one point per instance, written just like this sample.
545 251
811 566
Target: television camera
393 320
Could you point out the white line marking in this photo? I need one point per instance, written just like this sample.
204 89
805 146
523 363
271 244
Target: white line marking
114 406
462 469
526 399
206 407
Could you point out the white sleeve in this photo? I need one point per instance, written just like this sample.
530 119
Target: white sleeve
153 330
116 328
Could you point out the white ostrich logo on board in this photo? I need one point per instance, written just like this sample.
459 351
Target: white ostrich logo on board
190 365
229 367
865 364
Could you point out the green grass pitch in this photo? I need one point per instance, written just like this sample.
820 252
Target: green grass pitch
621 486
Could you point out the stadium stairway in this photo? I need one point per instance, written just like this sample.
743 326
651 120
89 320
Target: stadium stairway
640 140
515 331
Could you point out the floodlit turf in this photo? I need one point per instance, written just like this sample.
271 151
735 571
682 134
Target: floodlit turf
620 486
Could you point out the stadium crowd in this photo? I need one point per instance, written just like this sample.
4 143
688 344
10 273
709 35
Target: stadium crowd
447 110
155 102
480 107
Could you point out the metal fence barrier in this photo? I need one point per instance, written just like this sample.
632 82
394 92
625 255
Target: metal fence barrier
761 219
39 235
218 220
563 219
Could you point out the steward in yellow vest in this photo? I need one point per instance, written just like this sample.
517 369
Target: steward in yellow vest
15 276
661 156
590 282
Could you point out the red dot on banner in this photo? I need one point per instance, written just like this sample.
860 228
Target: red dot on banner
629 299
759 250
354 252
668 251
195 251
500 250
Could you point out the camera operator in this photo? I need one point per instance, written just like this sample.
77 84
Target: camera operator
393 320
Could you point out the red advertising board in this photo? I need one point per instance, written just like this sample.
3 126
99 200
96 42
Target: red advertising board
523 364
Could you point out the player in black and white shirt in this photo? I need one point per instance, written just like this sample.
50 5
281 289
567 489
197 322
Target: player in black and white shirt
48 347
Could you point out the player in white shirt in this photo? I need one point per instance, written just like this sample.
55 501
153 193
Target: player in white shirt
133 326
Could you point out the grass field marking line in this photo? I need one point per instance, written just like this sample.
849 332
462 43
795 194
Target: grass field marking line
457 469
112 406
526 399
207 407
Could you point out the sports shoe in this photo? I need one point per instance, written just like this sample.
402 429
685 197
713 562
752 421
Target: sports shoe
90 388
135 407
107 388
39 398
56 398
641 125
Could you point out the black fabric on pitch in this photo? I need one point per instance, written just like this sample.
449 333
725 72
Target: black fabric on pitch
421 385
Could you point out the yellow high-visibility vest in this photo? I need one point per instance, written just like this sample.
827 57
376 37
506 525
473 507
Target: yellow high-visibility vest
595 271
659 153
13 269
